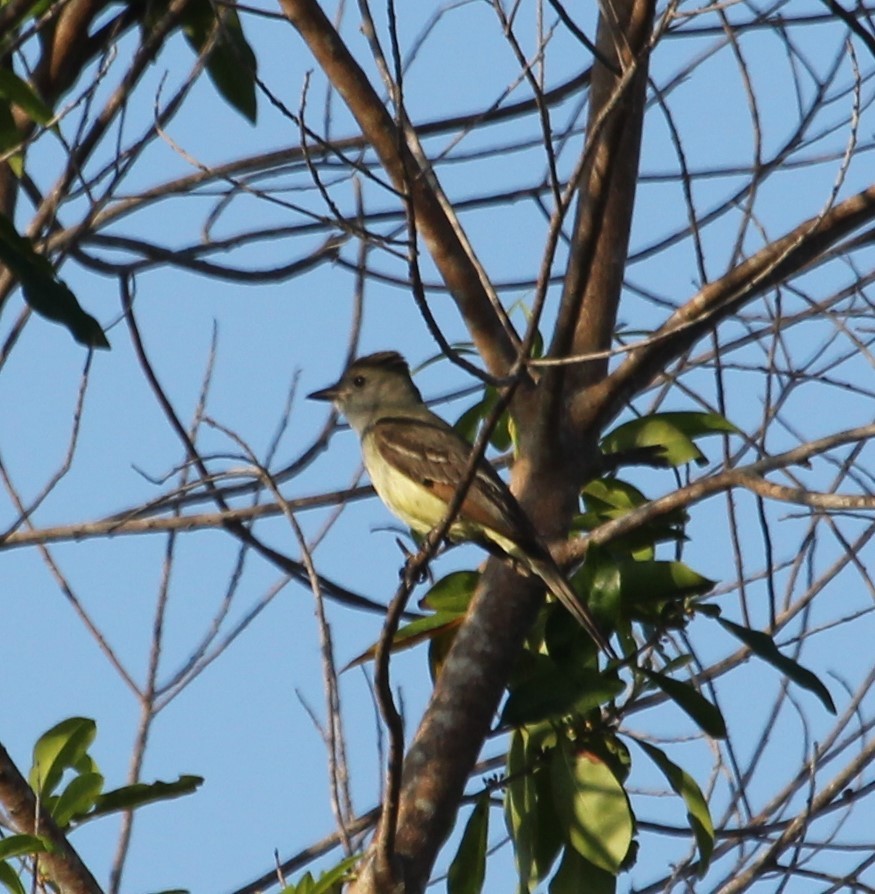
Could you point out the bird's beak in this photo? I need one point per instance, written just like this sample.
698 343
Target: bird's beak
330 393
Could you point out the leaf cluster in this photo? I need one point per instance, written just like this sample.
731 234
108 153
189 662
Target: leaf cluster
70 787
566 806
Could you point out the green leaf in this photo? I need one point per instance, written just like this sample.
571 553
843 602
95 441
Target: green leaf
231 63
698 814
329 882
599 578
10 880
576 874
452 593
538 341
762 644
14 89
77 798
413 634
48 295
569 646
468 870
611 493
547 691
654 581
611 498
468 424
530 813
691 701
697 425
130 797
673 432
22 846
439 645
304 885
593 807
60 748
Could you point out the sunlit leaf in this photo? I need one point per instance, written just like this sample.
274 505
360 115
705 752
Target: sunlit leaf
691 701
696 425
58 750
468 870
607 499
77 798
673 432
698 814
593 807
611 493
418 631
21 846
452 593
130 797
763 645
651 581
329 882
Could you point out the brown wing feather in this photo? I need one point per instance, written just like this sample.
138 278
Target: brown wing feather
437 458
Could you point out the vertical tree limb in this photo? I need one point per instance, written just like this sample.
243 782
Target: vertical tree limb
61 864
606 197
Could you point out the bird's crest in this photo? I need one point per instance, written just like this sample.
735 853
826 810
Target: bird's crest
388 360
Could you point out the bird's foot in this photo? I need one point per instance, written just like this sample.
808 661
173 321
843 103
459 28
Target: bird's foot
410 574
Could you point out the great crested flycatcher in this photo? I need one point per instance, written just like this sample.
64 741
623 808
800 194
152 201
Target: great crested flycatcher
416 462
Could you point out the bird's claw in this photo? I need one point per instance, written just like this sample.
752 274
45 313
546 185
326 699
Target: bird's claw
406 572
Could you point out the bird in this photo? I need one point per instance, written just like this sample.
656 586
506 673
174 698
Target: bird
416 462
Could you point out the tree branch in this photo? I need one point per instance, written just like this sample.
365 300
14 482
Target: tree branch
778 261
749 477
486 321
61 863
600 238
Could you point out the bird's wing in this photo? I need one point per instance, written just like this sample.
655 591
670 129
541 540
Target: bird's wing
437 457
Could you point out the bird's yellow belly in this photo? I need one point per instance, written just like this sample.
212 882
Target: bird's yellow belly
414 504
420 509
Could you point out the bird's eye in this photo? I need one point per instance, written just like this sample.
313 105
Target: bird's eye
358 381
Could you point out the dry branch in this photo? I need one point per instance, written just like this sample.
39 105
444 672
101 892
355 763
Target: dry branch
487 323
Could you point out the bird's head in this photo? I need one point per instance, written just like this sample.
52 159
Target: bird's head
372 387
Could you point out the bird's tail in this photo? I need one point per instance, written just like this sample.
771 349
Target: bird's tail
558 585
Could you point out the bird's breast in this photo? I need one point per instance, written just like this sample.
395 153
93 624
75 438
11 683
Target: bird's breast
410 500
